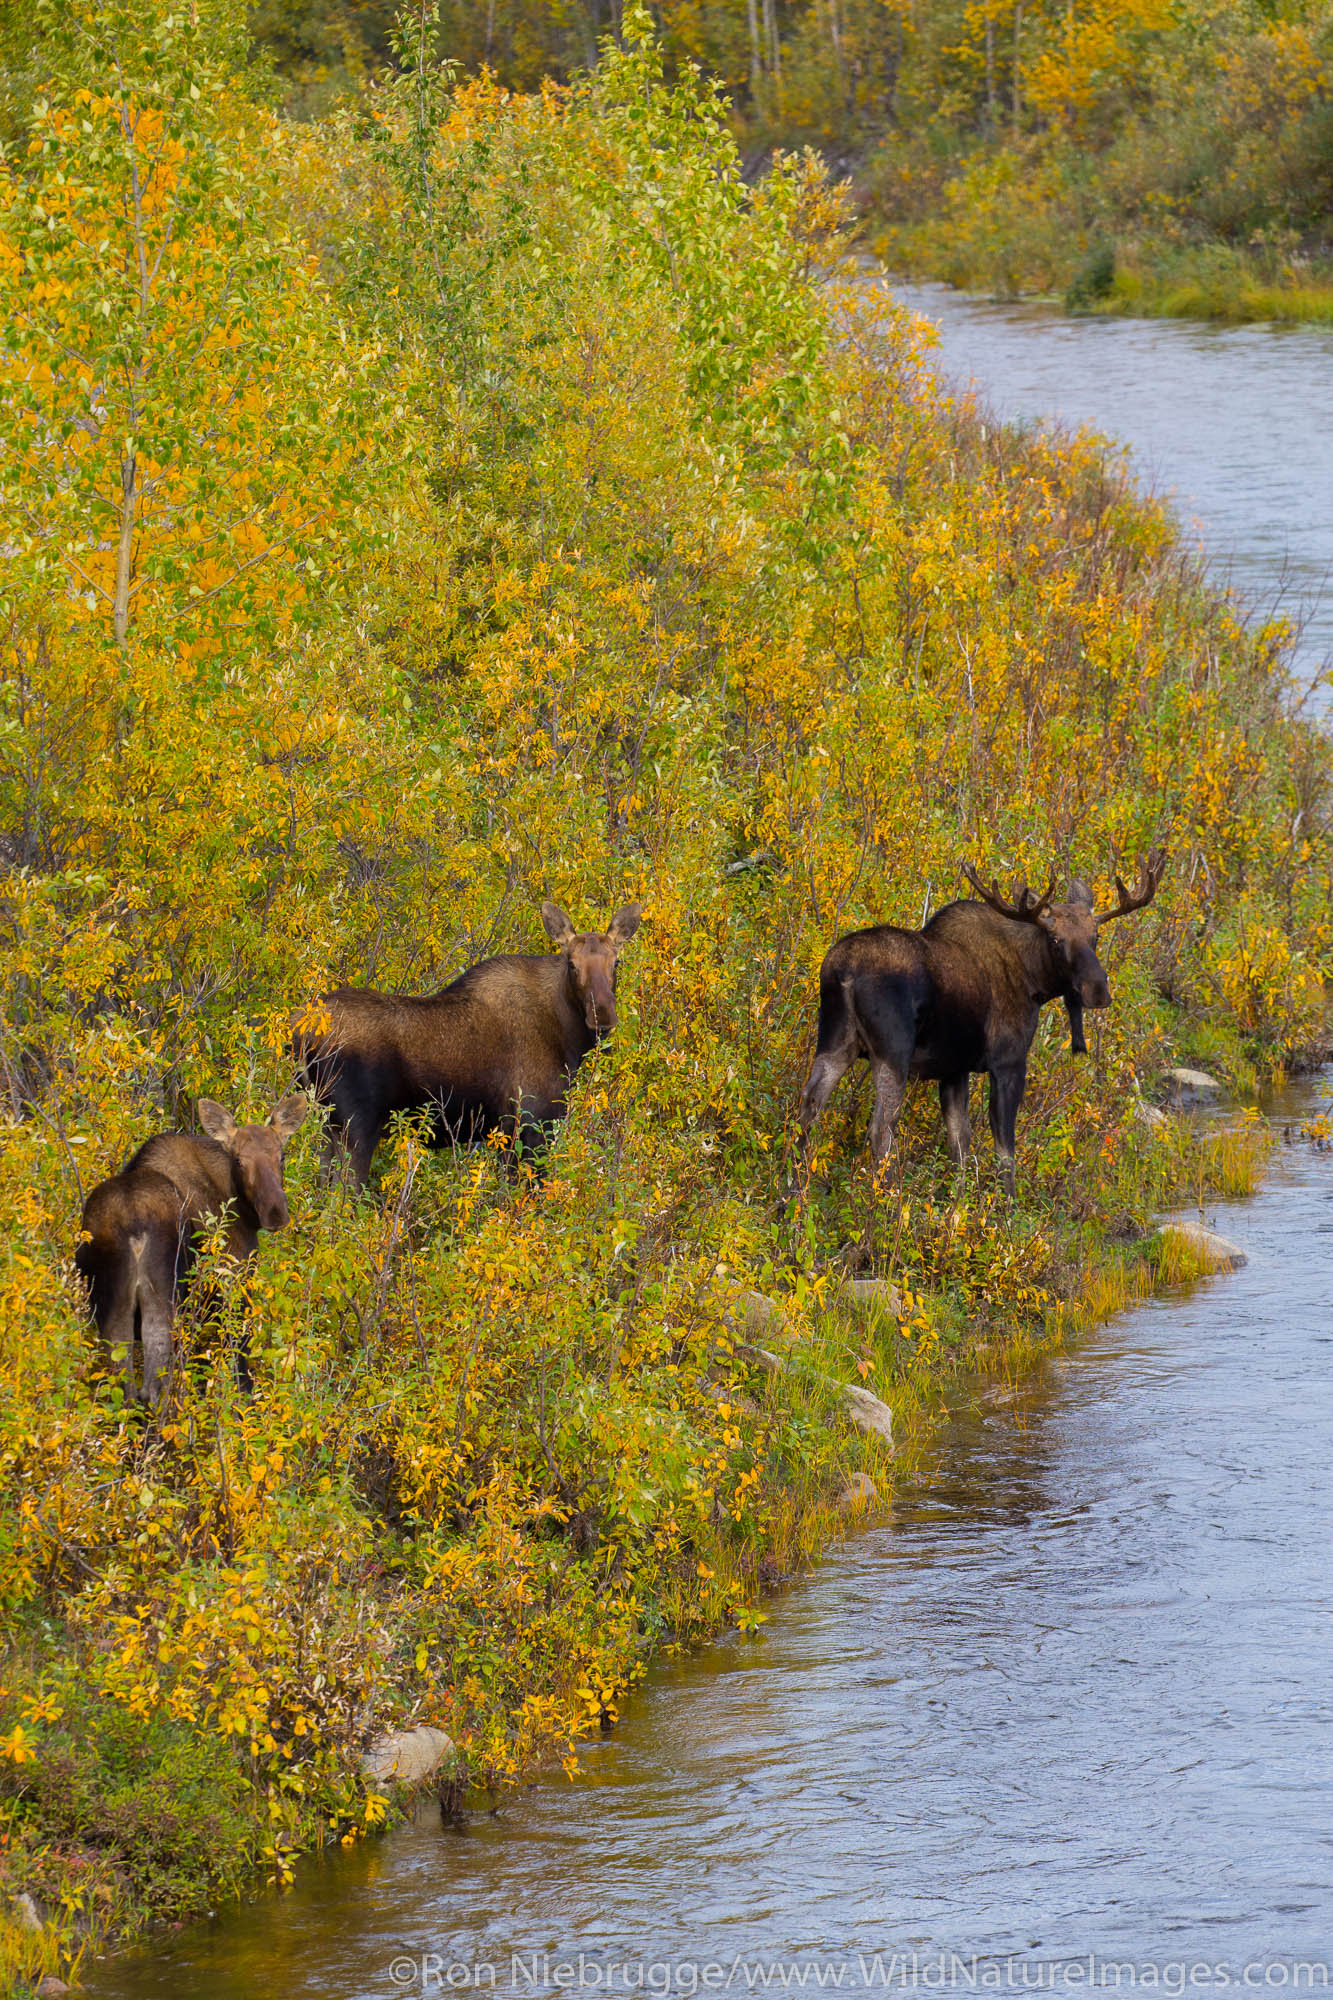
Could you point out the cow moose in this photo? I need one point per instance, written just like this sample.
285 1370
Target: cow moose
962 995
498 1047
141 1227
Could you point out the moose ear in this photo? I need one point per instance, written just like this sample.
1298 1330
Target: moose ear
624 924
290 1115
216 1121
1079 892
558 927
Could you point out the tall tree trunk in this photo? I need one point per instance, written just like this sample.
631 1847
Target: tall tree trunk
835 37
990 75
774 45
125 548
1018 56
756 47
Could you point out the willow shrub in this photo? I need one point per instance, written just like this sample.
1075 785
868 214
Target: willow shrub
1169 160
520 508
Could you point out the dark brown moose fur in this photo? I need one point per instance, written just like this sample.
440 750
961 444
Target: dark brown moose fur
960 996
499 1047
140 1227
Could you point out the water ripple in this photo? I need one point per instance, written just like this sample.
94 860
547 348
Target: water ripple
1073 1697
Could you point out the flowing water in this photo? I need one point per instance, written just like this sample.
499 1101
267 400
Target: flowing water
1233 424
1073 1698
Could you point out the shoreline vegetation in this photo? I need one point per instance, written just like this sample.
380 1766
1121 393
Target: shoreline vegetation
458 499
1112 156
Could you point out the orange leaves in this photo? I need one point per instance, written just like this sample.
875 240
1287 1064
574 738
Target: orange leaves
636 595
162 427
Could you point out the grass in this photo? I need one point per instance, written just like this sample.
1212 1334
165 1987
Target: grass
143 1820
1234 297
1035 252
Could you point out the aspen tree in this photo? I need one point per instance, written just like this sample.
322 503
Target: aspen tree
157 453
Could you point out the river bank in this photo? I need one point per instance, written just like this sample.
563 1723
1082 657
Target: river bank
922 1363
1225 425
982 1725
1166 164
1218 282
557 540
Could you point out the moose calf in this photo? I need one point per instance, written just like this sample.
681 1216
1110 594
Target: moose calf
499 1047
140 1228
963 994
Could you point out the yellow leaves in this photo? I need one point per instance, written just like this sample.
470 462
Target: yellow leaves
17 1747
1099 42
499 1429
1267 984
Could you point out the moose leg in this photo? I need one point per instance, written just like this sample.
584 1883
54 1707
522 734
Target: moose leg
533 1127
159 1274
155 1333
117 1326
1006 1094
835 1051
890 1087
957 1124
333 1155
360 1136
826 1073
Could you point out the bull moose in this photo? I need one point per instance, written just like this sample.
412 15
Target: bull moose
141 1227
963 994
498 1047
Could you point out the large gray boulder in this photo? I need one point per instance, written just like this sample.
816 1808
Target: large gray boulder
760 1318
862 1409
1203 1248
858 1496
1191 1086
866 1412
406 1756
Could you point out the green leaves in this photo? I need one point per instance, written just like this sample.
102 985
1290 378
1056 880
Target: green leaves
153 388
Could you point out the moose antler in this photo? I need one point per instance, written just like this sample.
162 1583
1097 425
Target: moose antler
1027 907
1153 870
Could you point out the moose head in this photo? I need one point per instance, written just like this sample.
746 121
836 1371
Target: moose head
1072 927
256 1153
591 958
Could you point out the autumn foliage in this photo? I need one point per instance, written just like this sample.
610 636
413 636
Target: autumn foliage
466 500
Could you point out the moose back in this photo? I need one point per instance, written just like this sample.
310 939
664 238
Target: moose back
499 1047
140 1226
962 995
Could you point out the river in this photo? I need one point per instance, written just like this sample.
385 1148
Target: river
1233 424
1074 1697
